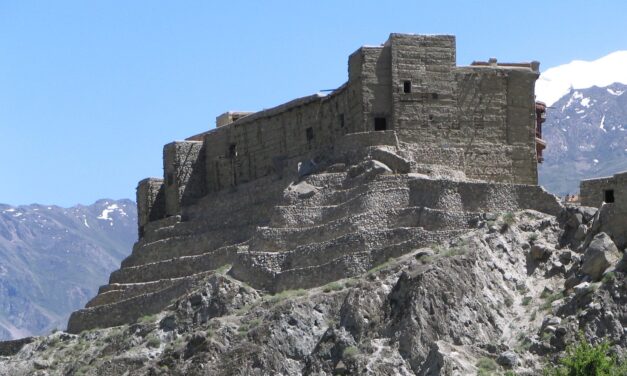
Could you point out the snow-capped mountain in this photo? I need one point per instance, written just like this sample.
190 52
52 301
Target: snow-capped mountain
586 134
586 126
556 82
53 259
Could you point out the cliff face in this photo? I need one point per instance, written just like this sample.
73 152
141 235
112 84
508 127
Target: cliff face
508 292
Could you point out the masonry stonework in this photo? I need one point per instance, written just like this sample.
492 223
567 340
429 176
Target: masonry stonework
478 119
610 195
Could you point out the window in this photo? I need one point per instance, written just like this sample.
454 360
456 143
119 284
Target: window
342 120
608 196
232 151
406 87
309 133
434 96
380 124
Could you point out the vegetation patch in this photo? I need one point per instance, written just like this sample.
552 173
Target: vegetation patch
550 298
609 278
333 286
351 352
584 359
486 366
380 267
278 297
153 341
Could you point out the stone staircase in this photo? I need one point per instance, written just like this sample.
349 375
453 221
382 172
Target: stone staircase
326 227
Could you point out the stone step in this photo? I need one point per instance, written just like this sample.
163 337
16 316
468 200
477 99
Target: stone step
125 311
176 267
333 197
481 196
310 213
263 274
187 245
276 239
116 292
319 253
282 238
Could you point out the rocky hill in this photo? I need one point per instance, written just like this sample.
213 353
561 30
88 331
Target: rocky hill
586 133
53 259
509 293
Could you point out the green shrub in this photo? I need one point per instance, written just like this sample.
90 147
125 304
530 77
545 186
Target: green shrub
508 301
153 341
486 366
584 359
509 218
350 352
285 294
532 237
455 251
526 300
609 277
147 319
333 286
223 269
550 298
380 267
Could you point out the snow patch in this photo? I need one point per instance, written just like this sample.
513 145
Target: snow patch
602 125
595 160
108 210
615 92
585 102
85 222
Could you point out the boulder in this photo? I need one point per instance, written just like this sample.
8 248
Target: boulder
508 359
600 255
540 252
369 169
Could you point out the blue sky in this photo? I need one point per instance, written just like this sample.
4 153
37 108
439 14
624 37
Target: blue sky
90 91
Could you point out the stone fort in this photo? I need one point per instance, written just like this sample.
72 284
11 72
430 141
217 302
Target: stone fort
409 151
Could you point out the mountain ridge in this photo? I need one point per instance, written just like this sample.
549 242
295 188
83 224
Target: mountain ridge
40 242
586 134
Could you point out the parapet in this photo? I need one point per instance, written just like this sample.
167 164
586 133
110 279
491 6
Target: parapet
230 117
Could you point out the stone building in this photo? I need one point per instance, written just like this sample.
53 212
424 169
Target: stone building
408 93
409 152
610 194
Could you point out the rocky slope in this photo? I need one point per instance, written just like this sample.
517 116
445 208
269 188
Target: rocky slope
586 133
510 292
53 259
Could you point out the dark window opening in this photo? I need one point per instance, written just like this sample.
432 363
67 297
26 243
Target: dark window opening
430 117
232 151
309 133
406 87
434 96
342 120
380 124
609 196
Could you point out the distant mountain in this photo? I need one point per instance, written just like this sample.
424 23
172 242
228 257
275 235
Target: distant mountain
53 259
586 133
586 127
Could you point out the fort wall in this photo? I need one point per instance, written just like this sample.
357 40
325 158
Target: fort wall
477 119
